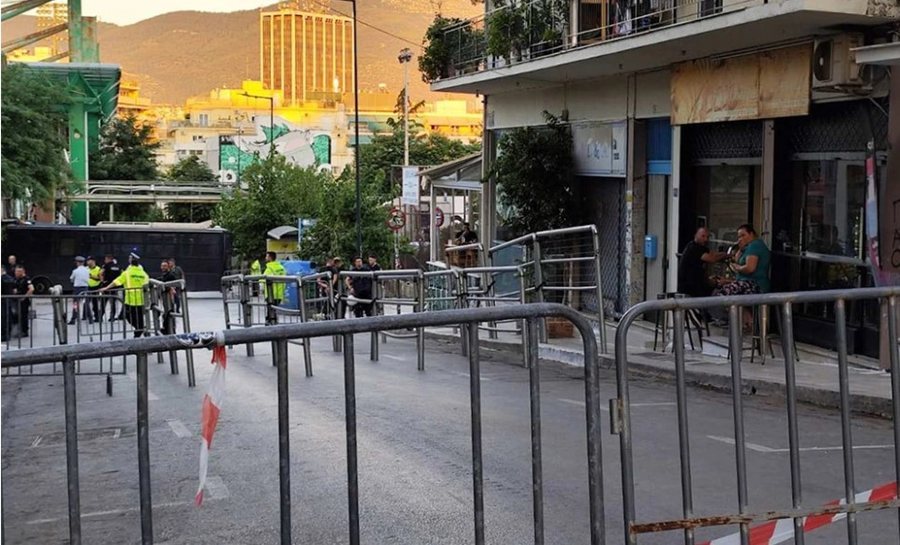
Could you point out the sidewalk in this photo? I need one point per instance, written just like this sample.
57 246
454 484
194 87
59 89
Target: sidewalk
816 372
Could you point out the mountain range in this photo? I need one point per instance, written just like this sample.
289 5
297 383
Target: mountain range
188 53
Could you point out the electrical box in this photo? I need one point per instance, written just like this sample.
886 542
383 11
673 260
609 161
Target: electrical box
651 247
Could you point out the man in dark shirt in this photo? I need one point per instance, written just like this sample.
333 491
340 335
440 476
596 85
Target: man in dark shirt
22 307
692 277
467 235
177 274
111 271
361 288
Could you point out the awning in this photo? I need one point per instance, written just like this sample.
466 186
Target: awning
463 173
96 84
280 232
884 54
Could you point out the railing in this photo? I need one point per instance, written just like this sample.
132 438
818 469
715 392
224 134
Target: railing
533 29
280 335
620 410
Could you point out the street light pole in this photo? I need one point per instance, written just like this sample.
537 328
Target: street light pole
404 58
356 131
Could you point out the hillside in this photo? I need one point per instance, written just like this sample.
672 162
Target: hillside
186 53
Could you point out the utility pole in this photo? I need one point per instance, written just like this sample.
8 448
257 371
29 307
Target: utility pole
404 58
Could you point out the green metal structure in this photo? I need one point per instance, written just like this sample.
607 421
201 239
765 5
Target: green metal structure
92 88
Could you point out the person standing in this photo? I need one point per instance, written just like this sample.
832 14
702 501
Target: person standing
133 279
360 287
79 278
25 289
274 268
95 278
177 274
110 272
10 266
168 275
692 277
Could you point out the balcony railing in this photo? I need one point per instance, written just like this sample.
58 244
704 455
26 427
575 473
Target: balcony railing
521 31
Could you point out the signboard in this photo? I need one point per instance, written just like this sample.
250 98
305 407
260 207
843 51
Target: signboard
762 86
410 186
600 148
438 217
397 219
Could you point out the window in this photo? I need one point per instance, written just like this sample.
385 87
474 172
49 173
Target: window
834 199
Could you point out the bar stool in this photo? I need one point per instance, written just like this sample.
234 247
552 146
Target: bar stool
692 318
761 338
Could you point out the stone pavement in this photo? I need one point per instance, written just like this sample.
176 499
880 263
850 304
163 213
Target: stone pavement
816 372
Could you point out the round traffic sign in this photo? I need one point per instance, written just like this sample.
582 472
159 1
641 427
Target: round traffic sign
397 219
438 217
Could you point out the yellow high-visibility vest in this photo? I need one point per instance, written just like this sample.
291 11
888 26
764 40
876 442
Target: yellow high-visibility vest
133 279
274 268
94 279
255 268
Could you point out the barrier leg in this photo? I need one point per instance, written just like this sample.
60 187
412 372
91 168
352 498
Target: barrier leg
72 453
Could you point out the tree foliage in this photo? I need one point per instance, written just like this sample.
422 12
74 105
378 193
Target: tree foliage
190 169
126 152
534 172
277 193
33 125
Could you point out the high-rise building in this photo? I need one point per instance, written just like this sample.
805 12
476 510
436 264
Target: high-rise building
307 56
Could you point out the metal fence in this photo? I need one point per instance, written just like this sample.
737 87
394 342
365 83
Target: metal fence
782 303
280 335
60 319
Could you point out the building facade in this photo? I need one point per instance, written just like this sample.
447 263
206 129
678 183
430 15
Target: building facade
718 113
306 56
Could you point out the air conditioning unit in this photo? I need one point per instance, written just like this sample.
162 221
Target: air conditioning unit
834 63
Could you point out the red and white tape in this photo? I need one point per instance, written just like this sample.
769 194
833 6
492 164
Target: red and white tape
778 531
209 416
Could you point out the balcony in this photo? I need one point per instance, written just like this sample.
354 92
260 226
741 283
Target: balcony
554 41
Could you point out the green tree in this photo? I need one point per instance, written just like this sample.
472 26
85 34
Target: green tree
126 152
335 231
190 169
277 193
534 172
33 125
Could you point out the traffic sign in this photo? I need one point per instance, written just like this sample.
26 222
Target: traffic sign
397 219
438 217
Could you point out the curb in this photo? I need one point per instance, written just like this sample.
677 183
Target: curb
861 403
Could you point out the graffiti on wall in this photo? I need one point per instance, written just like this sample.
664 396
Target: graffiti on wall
303 147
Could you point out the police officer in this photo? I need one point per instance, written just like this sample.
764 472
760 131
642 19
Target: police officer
25 289
95 278
133 279
256 270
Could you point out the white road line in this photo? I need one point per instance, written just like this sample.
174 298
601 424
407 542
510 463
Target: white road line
150 395
37 441
769 450
178 428
110 512
467 375
605 409
216 488
117 433
390 357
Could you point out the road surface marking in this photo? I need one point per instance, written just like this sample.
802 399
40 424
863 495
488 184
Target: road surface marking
605 409
37 441
216 488
390 357
150 395
111 512
769 450
467 375
117 433
179 429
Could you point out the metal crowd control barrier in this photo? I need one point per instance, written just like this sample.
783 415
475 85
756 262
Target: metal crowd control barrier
388 291
784 303
280 335
544 251
478 285
165 316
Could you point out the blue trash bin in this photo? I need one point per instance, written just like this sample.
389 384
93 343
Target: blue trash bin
294 268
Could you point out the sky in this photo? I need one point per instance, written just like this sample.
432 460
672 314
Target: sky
130 11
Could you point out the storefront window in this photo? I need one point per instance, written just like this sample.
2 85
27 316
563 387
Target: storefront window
834 195
723 200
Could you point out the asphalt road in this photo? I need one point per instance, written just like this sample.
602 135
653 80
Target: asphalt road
414 448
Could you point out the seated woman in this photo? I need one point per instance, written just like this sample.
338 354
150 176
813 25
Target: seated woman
751 268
